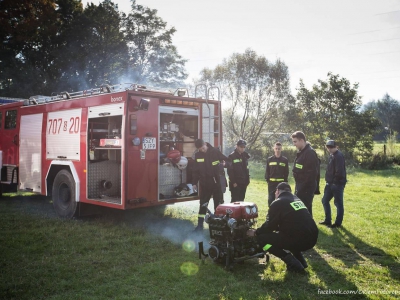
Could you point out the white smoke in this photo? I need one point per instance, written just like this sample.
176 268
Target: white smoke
157 221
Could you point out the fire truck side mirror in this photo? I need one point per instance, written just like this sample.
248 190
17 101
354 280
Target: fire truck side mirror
144 104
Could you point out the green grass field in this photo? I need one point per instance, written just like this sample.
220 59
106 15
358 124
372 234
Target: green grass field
391 149
150 253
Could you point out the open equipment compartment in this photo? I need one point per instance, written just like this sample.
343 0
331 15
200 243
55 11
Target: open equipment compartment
105 144
178 129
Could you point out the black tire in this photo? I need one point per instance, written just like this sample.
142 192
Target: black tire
63 195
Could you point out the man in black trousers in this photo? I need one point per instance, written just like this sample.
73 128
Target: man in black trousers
289 227
206 170
238 172
305 169
336 179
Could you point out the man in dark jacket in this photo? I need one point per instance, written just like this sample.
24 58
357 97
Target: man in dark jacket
276 171
289 226
238 172
305 169
206 169
335 178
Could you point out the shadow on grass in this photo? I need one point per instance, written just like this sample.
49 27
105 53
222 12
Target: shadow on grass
363 250
153 220
32 204
352 253
271 277
150 219
332 279
319 280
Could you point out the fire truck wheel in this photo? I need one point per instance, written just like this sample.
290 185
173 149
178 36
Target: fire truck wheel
64 201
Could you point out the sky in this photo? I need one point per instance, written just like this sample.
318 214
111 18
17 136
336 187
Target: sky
357 39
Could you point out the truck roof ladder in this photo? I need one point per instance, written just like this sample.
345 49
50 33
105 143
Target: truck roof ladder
103 89
210 117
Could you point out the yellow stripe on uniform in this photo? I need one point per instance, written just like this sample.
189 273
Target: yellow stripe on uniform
282 164
298 166
276 179
200 160
266 247
273 163
215 162
237 161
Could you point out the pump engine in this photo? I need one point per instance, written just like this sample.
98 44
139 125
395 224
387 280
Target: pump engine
229 242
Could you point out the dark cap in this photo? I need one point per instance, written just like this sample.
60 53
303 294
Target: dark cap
241 143
199 143
284 186
331 143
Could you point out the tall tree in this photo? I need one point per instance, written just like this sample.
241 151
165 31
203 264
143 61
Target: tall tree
153 59
29 31
387 110
330 110
95 50
54 45
253 89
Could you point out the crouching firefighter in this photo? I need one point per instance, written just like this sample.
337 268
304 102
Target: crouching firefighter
206 170
289 226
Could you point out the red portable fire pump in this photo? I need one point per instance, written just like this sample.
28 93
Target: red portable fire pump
122 146
229 242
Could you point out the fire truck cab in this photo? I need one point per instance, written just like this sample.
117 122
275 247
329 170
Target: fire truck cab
116 146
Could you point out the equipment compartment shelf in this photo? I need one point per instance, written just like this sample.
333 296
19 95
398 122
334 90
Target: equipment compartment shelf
171 141
108 148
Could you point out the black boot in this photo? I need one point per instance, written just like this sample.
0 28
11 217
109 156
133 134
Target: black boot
200 222
299 256
292 264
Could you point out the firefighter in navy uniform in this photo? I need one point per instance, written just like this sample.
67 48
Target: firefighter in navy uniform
305 170
276 171
206 170
336 179
238 172
289 227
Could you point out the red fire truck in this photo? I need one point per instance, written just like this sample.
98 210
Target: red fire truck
107 146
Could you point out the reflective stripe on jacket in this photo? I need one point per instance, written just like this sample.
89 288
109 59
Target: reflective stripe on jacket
206 166
277 169
238 172
306 164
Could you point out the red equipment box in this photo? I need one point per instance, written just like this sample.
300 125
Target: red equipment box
238 210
